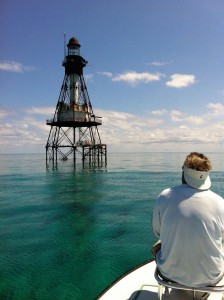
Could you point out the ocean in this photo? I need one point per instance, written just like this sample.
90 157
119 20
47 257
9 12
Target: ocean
67 232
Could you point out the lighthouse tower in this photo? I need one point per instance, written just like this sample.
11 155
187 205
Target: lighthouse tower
74 127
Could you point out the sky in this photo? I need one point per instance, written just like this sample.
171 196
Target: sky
155 71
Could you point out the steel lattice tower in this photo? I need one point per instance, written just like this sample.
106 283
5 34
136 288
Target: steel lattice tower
74 127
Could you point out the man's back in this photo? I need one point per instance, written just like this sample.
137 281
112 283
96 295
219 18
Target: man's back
190 225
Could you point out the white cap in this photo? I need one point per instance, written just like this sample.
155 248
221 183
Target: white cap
197 179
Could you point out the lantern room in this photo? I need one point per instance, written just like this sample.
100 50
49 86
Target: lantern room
73 47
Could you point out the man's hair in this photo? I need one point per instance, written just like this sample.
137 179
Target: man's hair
198 161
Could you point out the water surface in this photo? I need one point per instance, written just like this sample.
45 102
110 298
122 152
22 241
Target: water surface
66 232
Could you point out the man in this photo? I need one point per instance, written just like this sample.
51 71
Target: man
189 221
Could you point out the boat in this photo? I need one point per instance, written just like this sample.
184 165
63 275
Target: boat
140 284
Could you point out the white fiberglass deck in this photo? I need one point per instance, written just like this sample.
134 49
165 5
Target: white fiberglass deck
140 284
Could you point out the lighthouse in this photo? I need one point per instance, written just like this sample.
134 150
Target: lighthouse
74 127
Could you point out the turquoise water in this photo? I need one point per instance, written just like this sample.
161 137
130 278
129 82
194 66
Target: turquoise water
67 232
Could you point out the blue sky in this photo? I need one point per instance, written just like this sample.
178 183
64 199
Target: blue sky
155 71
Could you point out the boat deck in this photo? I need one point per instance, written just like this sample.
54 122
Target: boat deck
140 284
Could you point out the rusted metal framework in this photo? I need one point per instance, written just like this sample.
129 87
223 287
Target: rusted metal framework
74 127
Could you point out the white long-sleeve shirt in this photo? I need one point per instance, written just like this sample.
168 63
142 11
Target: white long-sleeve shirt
190 225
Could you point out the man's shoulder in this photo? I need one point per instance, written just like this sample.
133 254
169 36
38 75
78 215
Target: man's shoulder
215 196
173 189
168 191
165 192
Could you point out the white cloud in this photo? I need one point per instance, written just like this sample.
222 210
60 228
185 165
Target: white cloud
160 112
195 120
155 131
45 111
122 129
133 77
181 80
3 113
23 133
216 108
107 74
176 116
89 77
158 63
12 66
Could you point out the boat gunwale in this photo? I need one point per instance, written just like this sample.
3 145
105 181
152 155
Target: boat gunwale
122 276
